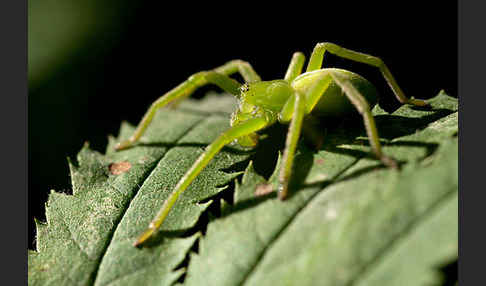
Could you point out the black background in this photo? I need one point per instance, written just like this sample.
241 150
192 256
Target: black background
154 47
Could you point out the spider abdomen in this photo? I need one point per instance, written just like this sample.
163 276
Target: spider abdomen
333 102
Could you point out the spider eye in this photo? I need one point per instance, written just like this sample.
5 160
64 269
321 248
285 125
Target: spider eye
244 88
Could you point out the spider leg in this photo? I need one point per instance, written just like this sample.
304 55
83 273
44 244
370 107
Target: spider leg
216 77
244 68
294 110
219 76
229 68
245 128
295 66
317 56
299 105
363 108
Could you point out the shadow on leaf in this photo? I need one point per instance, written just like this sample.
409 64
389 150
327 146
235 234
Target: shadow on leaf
264 157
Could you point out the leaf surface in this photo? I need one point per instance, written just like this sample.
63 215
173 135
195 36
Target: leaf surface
88 235
347 221
350 221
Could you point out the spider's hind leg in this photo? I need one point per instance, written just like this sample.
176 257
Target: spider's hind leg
317 57
363 108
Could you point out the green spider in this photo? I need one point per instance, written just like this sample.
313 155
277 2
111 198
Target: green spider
327 92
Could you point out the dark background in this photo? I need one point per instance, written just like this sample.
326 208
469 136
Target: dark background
128 54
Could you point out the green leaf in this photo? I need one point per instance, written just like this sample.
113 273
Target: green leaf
347 220
350 221
88 236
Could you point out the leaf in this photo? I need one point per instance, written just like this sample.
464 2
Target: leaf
351 221
348 220
92 229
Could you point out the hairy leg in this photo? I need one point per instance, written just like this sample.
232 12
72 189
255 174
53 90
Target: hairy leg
295 66
245 128
317 56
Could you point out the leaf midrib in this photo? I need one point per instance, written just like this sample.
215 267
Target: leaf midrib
413 224
148 174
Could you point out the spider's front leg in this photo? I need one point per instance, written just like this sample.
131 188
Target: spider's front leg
219 76
295 66
317 58
293 110
243 129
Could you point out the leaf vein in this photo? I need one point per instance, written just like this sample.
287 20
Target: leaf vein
400 236
117 223
73 239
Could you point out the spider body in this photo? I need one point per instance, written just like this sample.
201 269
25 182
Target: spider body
268 98
322 92
333 102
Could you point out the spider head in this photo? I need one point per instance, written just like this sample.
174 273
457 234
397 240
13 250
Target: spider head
270 95
247 111
243 113
260 99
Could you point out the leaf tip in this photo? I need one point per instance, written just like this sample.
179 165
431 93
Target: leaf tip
247 172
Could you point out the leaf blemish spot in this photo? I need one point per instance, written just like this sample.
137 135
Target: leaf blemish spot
263 189
44 268
119 168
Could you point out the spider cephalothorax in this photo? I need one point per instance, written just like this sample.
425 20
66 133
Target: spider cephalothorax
322 92
260 99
